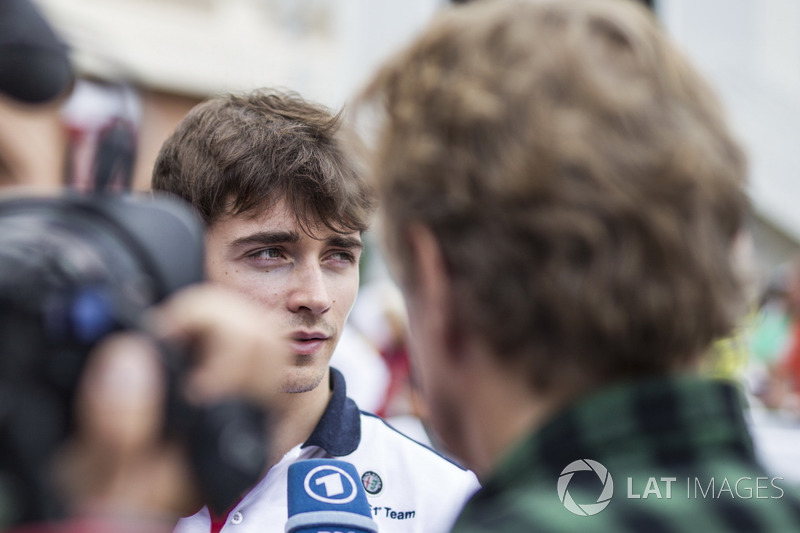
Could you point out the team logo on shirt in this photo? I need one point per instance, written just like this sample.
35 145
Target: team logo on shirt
372 482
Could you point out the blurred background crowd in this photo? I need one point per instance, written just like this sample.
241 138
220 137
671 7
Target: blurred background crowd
142 64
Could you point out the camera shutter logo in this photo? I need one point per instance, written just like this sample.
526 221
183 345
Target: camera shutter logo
603 500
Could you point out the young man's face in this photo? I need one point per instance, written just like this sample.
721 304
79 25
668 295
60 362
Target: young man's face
310 283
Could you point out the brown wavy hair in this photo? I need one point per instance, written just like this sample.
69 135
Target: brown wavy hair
237 154
579 177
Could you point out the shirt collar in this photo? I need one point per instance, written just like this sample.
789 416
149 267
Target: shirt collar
338 432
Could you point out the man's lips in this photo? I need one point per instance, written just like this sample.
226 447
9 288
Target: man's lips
307 342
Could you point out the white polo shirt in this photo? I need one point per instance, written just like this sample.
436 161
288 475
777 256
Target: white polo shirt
411 488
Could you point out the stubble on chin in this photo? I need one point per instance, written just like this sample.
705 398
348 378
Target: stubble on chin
299 382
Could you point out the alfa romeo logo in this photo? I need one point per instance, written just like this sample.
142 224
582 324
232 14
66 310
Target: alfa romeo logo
372 482
603 500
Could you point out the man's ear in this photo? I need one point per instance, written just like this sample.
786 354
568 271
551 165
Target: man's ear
433 285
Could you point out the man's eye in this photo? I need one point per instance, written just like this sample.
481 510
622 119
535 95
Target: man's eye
343 256
266 253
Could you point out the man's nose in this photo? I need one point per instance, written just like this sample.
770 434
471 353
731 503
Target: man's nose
309 291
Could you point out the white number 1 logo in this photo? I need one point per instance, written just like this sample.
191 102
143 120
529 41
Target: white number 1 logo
339 486
333 484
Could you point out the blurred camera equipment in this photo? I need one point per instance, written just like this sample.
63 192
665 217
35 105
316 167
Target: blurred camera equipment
72 270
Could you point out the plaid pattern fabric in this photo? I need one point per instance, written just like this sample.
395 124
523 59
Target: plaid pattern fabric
677 451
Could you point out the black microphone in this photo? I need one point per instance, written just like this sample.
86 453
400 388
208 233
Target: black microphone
324 497
34 65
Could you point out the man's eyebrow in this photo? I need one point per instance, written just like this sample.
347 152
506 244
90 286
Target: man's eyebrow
341 241
267 238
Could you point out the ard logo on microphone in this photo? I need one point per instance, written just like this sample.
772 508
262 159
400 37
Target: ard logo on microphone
330 484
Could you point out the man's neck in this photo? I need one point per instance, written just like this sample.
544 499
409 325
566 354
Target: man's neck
294 417
503 410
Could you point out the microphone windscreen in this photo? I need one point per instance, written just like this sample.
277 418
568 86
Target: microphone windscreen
325 495
34 65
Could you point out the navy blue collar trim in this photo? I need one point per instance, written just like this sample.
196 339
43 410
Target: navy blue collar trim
338 432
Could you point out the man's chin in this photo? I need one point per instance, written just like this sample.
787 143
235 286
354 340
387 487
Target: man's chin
302 380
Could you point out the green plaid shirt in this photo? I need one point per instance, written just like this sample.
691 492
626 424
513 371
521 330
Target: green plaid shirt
678 455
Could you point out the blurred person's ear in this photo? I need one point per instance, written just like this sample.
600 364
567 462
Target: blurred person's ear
430 299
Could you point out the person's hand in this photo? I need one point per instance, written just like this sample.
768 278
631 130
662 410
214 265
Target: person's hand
118 464
236 346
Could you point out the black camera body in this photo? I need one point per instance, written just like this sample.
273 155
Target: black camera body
72 270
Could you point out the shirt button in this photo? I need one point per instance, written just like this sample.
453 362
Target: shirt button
237 518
